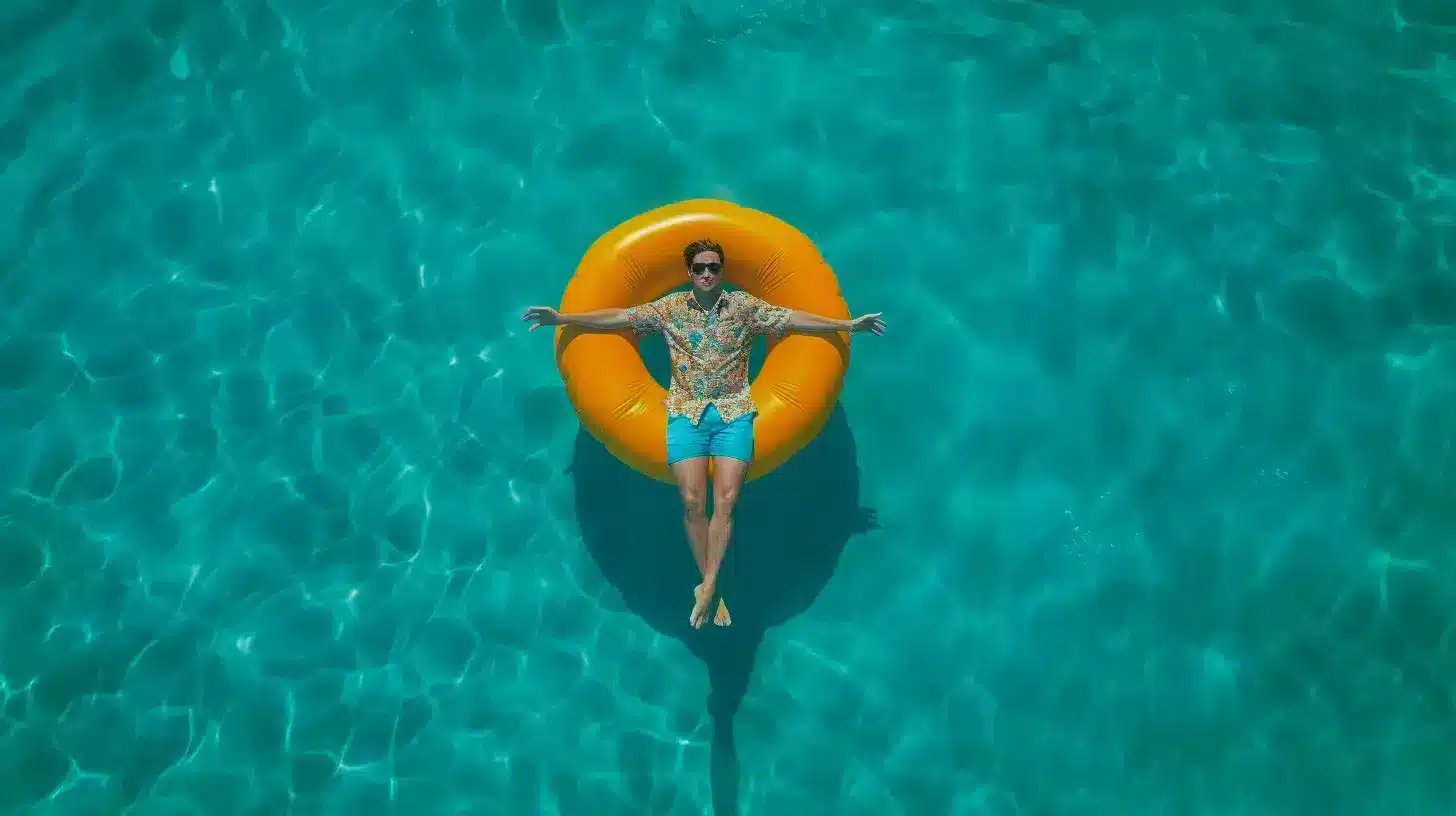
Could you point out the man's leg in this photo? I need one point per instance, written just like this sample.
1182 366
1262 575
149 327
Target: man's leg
688 447
731 447
692 486
728 477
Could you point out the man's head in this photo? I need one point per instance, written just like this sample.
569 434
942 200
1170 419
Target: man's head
704 259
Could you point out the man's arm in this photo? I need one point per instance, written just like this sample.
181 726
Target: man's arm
776 320
814 324
597 320
810 323
602 319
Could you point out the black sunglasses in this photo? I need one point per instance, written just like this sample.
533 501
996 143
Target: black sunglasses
712 266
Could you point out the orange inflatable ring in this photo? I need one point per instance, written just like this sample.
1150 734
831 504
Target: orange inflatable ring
616 398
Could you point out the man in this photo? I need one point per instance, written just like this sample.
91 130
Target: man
710 410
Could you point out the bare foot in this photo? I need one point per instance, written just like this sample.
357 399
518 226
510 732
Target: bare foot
702 597
722 618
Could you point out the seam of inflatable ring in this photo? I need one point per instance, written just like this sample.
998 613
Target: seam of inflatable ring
636 272
788 392
771 281
631 401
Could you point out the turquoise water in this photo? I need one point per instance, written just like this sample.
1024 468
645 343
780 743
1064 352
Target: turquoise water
1144 505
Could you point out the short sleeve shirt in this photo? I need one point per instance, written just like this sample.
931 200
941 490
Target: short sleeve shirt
709 348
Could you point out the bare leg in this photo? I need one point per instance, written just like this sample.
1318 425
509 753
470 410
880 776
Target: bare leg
728 477
692 484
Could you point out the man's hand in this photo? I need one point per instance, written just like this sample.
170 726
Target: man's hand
543 316
868 323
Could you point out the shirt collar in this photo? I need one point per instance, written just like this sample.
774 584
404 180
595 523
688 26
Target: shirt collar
693 302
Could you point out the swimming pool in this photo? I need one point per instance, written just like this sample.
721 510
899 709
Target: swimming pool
1142 507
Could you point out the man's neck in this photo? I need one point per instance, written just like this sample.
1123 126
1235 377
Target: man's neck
708 300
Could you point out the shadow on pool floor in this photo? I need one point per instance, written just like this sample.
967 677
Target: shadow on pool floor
791 527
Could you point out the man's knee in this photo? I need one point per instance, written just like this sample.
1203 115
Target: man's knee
695 503
725 498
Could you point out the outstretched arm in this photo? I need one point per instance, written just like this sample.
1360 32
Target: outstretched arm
810 323
603 319
599 319
776 320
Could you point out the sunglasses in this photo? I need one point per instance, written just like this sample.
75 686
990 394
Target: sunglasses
700 268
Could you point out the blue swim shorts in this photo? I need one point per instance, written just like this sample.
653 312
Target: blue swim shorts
710 437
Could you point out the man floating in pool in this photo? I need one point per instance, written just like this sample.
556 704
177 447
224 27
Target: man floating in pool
710 410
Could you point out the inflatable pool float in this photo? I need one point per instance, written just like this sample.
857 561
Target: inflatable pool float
616 398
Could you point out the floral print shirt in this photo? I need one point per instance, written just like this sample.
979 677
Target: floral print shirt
709 349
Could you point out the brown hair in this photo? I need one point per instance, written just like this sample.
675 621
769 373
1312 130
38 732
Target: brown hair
702 245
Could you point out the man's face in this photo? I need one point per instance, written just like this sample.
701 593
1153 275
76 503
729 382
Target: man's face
706 272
